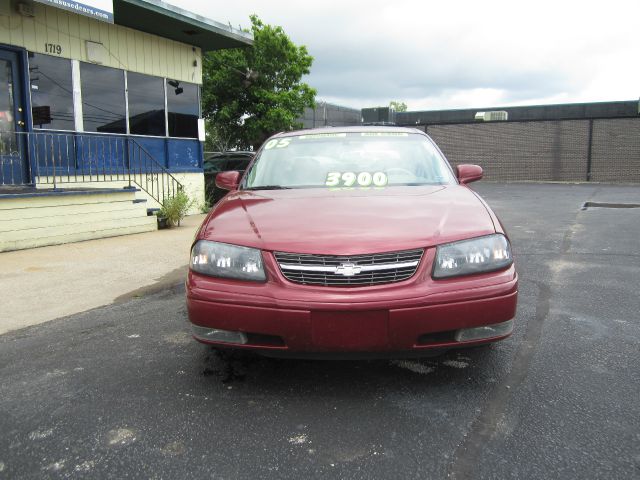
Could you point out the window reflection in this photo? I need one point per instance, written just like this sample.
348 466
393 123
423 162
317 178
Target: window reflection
146 104
103 101
183 105
51 92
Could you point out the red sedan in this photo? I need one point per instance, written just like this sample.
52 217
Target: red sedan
356 240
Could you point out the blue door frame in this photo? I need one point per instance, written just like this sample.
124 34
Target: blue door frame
14 117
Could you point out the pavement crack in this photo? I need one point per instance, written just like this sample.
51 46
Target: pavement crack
568 235
469 451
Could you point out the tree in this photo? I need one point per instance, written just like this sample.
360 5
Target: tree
218 139
251 93
398 106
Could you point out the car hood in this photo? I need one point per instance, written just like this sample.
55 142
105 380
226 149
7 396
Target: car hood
346 222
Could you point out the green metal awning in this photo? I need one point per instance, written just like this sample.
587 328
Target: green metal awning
160 18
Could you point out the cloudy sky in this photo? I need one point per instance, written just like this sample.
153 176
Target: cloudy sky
456 54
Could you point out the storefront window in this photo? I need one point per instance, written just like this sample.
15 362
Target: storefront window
103 101
183 104
146 104
51 92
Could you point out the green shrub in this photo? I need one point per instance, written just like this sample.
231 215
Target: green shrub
175 208
205 206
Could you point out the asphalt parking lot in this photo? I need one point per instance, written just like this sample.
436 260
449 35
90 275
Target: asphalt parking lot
123 392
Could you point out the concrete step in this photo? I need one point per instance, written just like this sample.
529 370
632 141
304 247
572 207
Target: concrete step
115 184
75 237
54 235
51 218
71 209
62 217
193 183
48 199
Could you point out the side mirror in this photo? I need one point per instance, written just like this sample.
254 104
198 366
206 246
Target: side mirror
469 173
228 180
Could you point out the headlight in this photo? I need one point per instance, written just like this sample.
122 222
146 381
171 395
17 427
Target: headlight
227 261
477 255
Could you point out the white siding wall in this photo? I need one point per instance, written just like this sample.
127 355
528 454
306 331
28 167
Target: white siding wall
127 49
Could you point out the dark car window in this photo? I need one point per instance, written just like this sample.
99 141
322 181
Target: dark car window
211 166
222 162
215 163
239 164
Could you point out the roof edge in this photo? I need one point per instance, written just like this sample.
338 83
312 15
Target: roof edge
507 107
163 8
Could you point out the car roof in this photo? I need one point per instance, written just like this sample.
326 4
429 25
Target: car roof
354 129
229 153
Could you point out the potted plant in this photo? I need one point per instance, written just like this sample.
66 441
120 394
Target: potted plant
174 210
162 221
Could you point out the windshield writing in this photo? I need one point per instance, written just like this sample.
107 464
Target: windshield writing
349 160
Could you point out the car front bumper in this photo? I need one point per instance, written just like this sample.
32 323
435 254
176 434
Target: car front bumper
416 315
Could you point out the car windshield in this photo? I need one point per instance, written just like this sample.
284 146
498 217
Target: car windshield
348 160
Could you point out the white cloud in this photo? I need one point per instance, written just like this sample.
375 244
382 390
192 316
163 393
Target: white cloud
457 54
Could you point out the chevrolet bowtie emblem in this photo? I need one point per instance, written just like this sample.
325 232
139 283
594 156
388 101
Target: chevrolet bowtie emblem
348 269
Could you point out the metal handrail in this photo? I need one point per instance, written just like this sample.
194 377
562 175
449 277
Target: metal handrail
155 175
65 158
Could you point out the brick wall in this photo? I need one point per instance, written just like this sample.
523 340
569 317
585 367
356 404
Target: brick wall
553 150
615 155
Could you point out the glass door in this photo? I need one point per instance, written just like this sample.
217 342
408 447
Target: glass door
13 158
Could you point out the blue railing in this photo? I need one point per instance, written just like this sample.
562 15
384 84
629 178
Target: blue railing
51 158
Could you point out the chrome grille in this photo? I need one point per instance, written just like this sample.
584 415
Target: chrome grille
349 270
